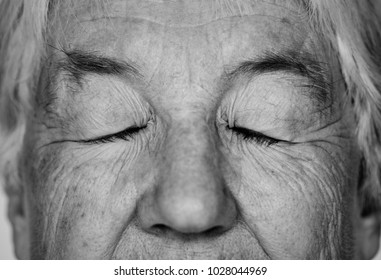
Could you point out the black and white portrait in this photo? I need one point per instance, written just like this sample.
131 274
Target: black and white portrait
200 129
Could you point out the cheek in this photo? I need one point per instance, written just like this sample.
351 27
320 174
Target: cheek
81 196
295 201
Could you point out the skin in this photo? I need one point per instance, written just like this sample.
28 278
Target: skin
187 186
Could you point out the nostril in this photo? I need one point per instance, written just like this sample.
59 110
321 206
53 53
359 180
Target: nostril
162 229
214 231
159 229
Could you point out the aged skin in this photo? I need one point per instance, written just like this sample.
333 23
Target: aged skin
223 162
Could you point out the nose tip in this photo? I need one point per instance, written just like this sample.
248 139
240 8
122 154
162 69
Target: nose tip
197 213
188 210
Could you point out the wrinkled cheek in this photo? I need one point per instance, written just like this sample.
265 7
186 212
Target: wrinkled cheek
289 229
294 210
81 204
286 227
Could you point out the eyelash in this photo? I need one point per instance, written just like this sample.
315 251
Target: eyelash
126 135
129 133
251 135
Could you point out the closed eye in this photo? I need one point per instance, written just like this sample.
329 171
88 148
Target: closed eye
126 135
257 137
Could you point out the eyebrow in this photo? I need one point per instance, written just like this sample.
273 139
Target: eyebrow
301 65
78 63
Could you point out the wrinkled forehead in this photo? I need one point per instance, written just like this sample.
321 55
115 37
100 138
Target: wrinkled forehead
285 14
180 13
281 24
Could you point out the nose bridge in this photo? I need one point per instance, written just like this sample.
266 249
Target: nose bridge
191 150
191 161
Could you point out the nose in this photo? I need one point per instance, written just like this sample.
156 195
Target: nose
191 196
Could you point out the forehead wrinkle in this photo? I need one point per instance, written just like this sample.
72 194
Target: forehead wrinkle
178 14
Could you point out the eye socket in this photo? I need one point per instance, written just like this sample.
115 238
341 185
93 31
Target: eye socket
251 135
126 135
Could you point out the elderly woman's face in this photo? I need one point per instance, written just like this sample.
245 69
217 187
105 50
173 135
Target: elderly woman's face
190 130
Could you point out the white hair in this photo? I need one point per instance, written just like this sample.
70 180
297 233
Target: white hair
353 29
22 36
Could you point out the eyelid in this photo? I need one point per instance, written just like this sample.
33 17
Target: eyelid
251 135
125 134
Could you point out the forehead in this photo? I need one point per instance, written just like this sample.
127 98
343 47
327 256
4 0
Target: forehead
276 20
179 13
137 29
